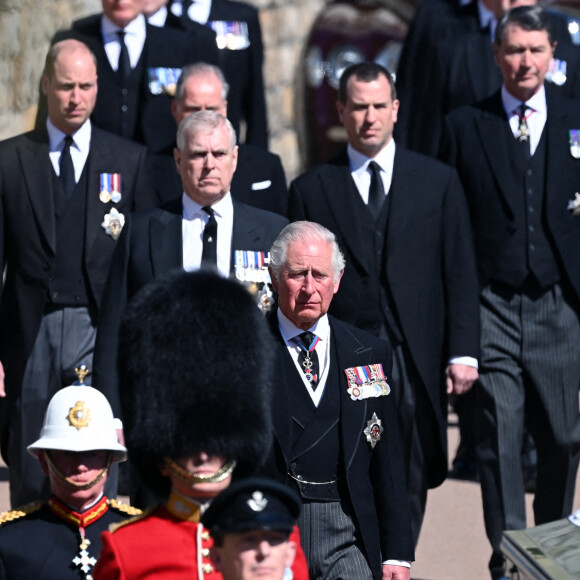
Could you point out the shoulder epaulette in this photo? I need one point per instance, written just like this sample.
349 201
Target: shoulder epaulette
124 508
143 514
13 515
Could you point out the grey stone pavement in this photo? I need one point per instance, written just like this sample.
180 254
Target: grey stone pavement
452 545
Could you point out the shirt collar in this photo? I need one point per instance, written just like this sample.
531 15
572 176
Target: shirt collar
136 27
159 18
191 209
385 158
536 102
81 137
289 330
486 16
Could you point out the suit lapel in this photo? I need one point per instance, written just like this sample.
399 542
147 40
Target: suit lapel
344 207
166 239
494 133
35 154
401 203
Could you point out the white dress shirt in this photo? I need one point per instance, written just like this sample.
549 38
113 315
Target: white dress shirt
79 149
536 115
486 18
194 222
135 33
198 11
158 18
322 330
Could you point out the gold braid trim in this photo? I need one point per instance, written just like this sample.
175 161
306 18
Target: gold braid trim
114 527
124 508
13 515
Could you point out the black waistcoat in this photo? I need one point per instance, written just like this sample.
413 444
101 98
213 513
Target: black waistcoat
529 250
67 281
315 454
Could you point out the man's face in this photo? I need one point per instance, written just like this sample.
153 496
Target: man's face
200 93
500 7
207 164
306 285
254 555
72 91
121 12
523 58
200 464
369 114
79 468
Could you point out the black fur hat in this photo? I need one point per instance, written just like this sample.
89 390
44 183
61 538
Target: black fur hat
194 363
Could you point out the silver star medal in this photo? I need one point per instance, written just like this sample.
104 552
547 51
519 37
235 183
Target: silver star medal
113 223
373 430
574 205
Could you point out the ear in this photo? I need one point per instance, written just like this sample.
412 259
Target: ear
340 110
215 554
337 283
43 463
44 84
291 554
177 158
274 281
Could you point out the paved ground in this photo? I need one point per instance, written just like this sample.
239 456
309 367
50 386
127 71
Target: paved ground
452 546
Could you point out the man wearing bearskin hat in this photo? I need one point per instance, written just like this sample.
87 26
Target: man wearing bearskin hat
60 540
194 365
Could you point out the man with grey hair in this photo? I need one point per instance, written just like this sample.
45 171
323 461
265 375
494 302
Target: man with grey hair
336 438
259 178
204 228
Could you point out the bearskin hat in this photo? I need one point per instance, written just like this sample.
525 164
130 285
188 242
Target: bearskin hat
195 374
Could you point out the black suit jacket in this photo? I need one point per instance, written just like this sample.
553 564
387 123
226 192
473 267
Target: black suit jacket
472 142
375 477
163 48
150 246
428 261
28 232
259 179
243 71
466 73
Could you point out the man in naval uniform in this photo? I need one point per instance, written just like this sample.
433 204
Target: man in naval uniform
335 426
61 539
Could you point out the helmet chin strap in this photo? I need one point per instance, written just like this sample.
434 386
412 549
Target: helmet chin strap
218 476
73 484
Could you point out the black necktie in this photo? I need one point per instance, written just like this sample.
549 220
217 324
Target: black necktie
209 252
307 357
376 189
124 65
523 136
67 170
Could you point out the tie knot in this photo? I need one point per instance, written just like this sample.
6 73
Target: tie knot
208 210
307 338
522 110
68 141
374 167
121 35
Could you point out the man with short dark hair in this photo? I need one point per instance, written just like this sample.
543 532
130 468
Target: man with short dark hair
66 190
410 275
517 153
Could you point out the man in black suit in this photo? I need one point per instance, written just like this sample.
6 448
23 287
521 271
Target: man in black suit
259 178
336 440
66 190
241 57
517 153
138 67
204 227
402 221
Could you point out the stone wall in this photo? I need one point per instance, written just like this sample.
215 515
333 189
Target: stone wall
26 27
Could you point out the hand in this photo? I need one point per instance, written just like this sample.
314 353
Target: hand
460 378
391 572
120 437
2 387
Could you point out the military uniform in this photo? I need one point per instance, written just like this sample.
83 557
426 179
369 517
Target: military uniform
162 544
43 540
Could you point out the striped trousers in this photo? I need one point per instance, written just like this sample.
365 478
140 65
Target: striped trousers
530 371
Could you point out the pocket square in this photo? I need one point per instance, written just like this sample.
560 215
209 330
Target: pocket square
261 185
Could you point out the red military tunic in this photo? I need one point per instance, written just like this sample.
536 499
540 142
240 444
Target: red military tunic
159 544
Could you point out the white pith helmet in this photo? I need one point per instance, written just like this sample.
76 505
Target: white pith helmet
79 418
